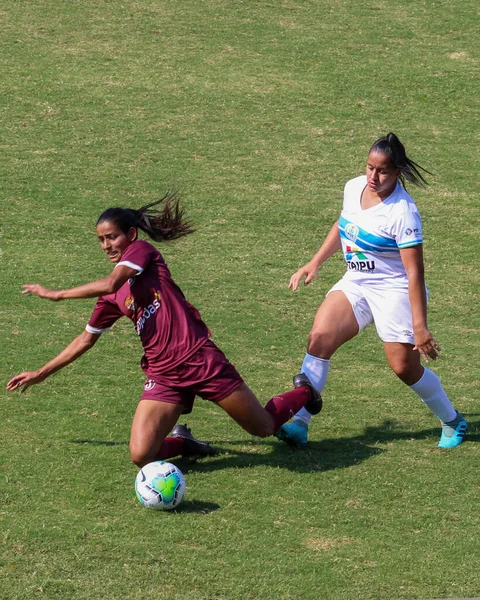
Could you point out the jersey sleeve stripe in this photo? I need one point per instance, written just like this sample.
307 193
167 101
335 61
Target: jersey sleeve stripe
410 244
96 330
127 263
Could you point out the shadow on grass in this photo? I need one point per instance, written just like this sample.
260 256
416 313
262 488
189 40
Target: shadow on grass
195 506
100 443
322 455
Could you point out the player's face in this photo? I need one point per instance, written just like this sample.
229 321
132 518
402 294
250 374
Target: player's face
381 175
113 240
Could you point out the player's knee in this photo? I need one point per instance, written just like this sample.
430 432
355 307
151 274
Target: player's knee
265 432
139 456
319 344
138 460
404 371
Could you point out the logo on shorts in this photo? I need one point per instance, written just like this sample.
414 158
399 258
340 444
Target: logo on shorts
149 385
351 231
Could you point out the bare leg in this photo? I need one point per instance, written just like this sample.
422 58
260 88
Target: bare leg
243 406
334 324
404 361
151 424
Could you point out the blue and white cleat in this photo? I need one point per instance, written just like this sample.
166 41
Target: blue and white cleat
453 432
294 433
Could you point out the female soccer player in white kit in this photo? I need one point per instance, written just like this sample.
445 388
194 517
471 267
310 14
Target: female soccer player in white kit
380 234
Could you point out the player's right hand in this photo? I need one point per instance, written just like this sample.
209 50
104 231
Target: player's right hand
307 272
24 380
39 290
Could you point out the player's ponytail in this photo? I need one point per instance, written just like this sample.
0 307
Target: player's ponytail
162 220
409 170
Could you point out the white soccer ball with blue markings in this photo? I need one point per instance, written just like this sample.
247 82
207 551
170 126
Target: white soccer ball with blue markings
160 485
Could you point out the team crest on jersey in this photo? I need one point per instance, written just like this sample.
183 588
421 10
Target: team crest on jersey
351 231
130 303
149 385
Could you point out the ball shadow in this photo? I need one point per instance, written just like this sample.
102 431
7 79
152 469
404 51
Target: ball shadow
198 507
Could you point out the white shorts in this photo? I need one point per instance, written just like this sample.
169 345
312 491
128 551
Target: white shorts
388 309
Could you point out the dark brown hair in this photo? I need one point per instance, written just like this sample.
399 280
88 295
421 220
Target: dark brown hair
409 170
162 220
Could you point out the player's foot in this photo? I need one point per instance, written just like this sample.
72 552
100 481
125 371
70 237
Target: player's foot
193 448
294 433
314 406
453 432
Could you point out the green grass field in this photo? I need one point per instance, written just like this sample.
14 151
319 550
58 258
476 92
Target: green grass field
259 112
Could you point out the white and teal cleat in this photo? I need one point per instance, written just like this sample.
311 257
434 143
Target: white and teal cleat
453 432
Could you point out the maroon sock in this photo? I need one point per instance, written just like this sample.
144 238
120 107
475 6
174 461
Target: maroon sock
282 408
171 446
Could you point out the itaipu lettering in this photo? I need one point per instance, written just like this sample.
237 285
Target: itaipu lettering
148 312
361 265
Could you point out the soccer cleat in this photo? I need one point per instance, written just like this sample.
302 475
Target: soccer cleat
314 406
294 433
453 432
193 448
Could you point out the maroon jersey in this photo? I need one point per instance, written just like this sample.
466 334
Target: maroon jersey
169 327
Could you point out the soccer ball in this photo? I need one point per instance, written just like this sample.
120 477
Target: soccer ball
160 485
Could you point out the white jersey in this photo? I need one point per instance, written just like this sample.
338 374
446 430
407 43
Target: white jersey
372 238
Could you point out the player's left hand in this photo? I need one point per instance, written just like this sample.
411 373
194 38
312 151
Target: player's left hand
41 291
427 346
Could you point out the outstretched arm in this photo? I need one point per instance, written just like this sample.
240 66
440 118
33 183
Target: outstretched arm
76 348
94 289
412 259
309 271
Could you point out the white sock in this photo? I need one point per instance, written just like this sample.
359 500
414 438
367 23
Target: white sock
316 369
431 392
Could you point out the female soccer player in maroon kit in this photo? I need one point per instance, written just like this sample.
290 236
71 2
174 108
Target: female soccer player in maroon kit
180 360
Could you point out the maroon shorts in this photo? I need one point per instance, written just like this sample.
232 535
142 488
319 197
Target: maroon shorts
207 373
